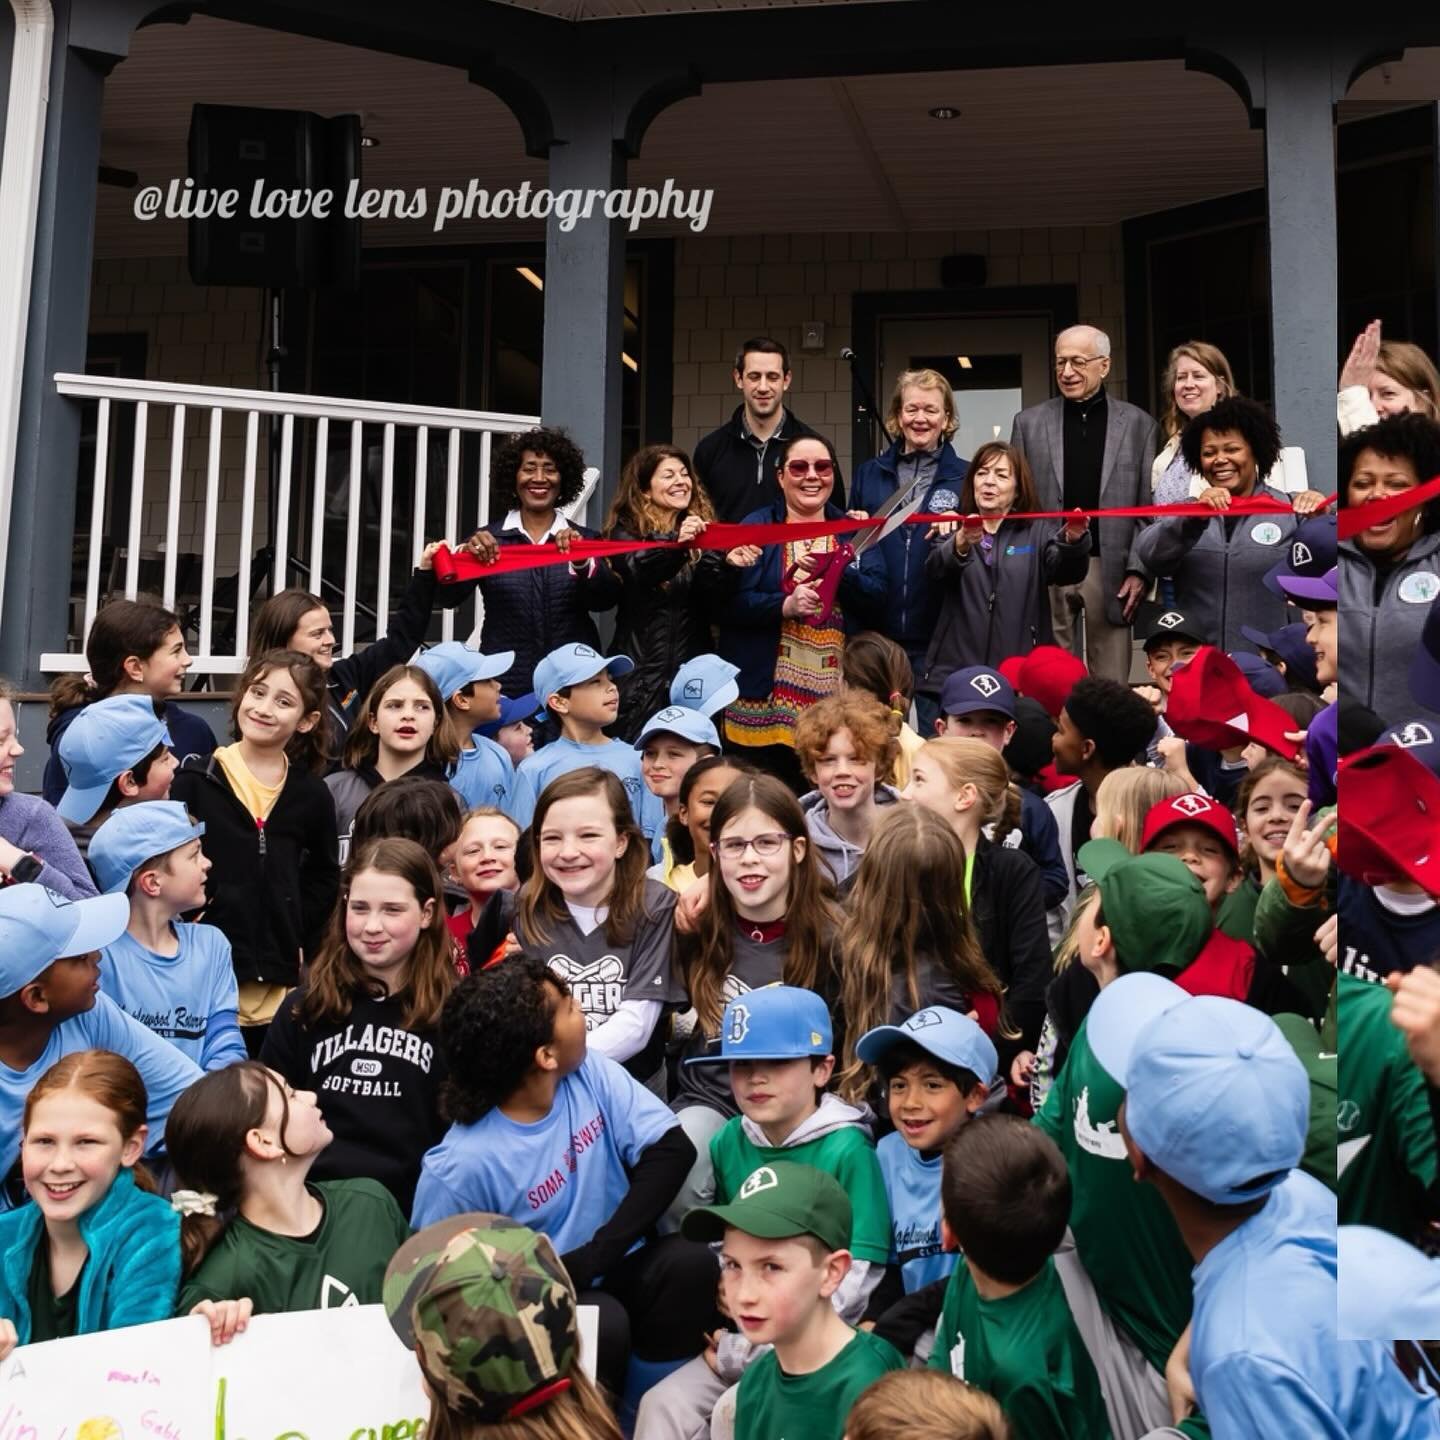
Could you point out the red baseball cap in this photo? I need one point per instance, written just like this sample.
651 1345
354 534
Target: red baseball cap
1212 704
1389 826
1010 668
1190 809
1048 675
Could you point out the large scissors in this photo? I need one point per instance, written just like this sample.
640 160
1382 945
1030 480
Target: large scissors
825 570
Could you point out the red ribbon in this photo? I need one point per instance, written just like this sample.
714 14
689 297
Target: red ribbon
1355 518
453 566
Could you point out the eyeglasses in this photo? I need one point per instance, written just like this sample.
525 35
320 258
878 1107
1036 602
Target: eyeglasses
799 469
765 846
1075 362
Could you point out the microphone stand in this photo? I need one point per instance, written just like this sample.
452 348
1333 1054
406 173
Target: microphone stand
865 405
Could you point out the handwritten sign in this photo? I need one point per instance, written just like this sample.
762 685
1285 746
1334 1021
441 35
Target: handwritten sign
315 1375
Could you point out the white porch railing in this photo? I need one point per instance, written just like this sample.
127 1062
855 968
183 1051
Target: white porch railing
239 411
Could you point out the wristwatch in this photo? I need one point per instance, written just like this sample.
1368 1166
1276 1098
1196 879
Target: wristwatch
25 870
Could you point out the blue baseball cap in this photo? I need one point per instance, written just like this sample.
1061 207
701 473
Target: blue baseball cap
1289 643
977 687
513 709
573 665
1313 551
1215 1094
135 834
1389 1290
104 740
946 1034
1422 740
777 1022
706 683
39 927
1261 676
691 725
453 666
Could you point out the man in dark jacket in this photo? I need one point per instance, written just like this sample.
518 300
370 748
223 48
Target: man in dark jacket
736 463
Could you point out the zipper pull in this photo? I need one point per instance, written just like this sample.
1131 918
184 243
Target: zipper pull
260 829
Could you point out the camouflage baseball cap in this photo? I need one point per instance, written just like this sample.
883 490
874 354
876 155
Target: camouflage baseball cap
489 1311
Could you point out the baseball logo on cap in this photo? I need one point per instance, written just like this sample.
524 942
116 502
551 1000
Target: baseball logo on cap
1414 734
922 1020
762 1179
987 685
1192 804
1300 555
670 712
739 1024
694 690
1170 619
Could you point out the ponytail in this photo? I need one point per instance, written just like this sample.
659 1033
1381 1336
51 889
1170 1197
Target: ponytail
121 630
1010 811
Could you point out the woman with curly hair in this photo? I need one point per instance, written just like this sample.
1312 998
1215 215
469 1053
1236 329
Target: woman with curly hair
667 595
1219 564
533 475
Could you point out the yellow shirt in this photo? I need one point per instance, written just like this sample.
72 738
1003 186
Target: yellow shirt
259 799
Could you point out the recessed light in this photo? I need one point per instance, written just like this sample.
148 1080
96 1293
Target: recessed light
964 362
945 112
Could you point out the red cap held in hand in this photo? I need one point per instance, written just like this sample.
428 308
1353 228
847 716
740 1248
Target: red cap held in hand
1389 826
1212 705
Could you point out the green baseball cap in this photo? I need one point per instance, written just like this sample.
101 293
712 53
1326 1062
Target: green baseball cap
777 1202
489 1311
1155 907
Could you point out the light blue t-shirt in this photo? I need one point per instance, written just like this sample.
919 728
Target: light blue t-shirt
1264 1355
189 998
484 775
561 756
912 1184
105 1026
565 1175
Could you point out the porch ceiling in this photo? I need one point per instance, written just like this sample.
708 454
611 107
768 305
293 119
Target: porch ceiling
1056 145
636 9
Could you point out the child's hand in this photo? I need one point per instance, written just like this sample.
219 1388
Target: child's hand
1178 1385
1022 1069
691 906
1152 695
1253 754
1327 939
1416 1014
427 555
9 1338
712 1350
228 1318
1306 855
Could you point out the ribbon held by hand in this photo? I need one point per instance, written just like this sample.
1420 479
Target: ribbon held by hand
453 566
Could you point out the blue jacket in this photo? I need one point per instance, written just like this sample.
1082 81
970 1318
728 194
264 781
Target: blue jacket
912 599
132 1276
750 624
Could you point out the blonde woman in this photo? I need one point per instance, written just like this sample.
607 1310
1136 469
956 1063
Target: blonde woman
921 422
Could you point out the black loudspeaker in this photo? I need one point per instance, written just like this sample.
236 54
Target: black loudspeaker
957 270
236 148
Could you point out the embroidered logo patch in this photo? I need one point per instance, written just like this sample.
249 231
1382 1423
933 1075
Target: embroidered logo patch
739 1024
987 685
1300 555
1192 804
1170 619
922 1020
762 1179
694 690
1414 734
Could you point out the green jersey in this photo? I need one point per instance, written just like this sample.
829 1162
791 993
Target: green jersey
846 1153
1386 1139
1025 1350
342 1263
1126 1237
775 1406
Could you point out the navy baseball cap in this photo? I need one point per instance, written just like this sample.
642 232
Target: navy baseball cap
1313 552
778 1022
453 666
1421 739
1289 643
691 725
513 709
135 834
706 683
1154 623
1215 1094
105 740
977 687
1262 677
939 1031
39 927
574 665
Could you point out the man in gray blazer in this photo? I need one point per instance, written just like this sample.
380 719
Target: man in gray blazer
1090 450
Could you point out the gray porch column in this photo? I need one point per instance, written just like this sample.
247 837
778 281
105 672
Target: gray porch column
42 514
1300 209
585 285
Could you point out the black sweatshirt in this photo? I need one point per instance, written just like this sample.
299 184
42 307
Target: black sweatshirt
378 1083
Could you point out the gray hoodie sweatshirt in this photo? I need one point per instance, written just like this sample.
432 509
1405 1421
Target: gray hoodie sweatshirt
841 858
